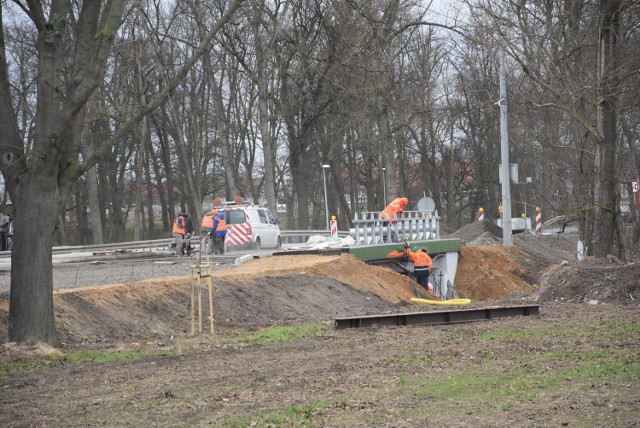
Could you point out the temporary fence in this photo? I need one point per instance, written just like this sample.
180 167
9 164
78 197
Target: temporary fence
370 229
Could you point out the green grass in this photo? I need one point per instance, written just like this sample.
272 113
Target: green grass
112 356
298 415
610 328
280 334
556 368
262 337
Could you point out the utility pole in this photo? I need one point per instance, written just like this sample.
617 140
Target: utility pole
504 149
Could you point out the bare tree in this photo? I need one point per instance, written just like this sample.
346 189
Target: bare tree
551 43
40 176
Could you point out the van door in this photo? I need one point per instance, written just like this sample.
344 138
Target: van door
268 235
274 227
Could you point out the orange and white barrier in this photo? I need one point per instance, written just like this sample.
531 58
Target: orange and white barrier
480 216
538 220
333 225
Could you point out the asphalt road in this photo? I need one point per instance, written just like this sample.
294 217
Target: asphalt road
82 269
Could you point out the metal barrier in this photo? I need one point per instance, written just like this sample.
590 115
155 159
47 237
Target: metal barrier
288 236
406 226
302 236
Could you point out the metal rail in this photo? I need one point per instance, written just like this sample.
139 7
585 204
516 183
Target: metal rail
437 317
288 237
371 229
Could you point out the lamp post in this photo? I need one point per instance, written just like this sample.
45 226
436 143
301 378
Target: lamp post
326 201
384 185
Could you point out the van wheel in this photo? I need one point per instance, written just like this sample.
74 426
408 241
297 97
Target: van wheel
279 243
256 245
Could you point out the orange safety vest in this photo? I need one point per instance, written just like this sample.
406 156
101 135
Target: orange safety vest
222 225
421 260
179 229
207 221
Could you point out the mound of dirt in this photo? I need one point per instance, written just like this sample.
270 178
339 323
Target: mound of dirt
479 233
344 268
591 281
493 272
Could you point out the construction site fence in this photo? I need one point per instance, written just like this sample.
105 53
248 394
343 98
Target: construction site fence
370 229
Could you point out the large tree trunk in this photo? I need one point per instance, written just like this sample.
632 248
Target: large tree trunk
263 109
604 189
31 306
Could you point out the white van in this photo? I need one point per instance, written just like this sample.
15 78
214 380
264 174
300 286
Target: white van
251 227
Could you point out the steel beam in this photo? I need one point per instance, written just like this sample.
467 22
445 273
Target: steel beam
436 317
380 251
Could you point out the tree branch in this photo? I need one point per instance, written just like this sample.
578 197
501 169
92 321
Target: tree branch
161 97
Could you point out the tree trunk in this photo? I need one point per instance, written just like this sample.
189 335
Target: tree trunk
605 179
263 111
31 308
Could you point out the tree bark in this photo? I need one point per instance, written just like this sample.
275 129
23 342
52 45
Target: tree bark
268 148
604 189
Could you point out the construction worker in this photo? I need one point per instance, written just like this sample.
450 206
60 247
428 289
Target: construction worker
182 230
205 227
422 265
219 232
396 206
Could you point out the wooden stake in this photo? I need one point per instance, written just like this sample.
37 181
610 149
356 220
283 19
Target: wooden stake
199 303
193 302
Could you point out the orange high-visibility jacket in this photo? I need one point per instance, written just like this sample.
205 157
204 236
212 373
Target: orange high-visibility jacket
178 228
207 221
222 225
421 260
397 206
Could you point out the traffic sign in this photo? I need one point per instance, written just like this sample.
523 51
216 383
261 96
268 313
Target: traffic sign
636 186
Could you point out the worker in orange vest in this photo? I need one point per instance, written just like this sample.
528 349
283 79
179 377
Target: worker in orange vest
422 265
205 227
396 206
219 232
182 230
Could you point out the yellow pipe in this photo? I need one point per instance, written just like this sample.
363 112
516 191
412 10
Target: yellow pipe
441 302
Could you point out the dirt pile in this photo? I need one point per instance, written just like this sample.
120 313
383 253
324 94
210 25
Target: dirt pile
591 281
479 233
344 268
493 272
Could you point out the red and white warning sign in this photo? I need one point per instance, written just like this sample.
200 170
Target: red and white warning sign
636 192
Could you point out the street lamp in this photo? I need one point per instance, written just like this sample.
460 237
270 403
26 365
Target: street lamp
326 201
384 185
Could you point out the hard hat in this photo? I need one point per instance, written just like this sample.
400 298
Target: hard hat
214 211
405 201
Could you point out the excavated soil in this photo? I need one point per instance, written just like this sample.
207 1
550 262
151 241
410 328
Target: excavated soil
282 290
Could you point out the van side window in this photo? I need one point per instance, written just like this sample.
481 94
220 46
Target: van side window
270 218
236 217
263 216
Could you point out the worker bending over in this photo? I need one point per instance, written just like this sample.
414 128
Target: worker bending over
422 265
397 206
